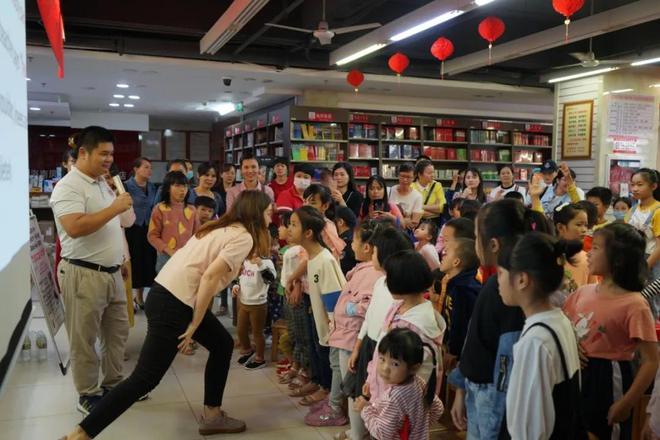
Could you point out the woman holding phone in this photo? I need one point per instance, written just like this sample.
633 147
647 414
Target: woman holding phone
376 205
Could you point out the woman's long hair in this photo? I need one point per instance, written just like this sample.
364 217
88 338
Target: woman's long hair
367 200
248 210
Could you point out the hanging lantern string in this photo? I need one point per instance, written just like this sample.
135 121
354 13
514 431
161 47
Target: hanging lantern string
566 23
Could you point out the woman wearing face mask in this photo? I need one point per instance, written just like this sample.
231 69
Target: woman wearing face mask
563 191
292 198
208 176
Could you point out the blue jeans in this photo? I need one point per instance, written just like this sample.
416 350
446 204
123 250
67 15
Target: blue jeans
485 410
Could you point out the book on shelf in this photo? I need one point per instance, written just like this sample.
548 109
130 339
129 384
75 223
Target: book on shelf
399 133
413 133
393 152
277 134
370 131
489 137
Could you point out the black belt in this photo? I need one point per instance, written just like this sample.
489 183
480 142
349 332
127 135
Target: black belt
96 267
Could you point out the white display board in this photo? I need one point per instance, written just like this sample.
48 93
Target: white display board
43 279
14 256
630 122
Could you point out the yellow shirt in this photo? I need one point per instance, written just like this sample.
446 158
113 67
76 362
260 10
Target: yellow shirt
639 218
437 197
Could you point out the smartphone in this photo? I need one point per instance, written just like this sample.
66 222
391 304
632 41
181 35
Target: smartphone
378 205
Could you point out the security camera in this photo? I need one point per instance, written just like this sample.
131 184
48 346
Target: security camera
226 81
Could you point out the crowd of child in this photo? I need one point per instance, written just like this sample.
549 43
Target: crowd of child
527 300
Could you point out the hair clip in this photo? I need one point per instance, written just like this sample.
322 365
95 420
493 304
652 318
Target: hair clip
562 206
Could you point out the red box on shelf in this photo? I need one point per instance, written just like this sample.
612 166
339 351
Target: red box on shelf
353 150
365 150
451 153
442 153
428 151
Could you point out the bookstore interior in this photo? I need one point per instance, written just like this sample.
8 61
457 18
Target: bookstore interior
555 100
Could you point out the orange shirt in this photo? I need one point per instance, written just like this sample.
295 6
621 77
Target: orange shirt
609 326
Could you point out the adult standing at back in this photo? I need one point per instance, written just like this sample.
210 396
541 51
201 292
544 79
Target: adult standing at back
433 196
282 181
346 193
250 172
226 182
207 177
86 215
143 255
408 200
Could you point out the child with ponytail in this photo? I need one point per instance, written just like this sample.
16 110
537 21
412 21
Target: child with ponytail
612 322
407 408
543 397
484 370
645 216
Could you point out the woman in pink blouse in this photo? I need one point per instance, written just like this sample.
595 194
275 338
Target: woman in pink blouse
177 313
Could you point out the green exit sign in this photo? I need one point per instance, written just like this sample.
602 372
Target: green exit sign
239 106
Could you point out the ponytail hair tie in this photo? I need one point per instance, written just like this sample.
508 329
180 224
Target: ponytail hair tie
562 206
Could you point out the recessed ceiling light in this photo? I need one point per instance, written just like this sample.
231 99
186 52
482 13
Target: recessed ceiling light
28 79
113 104
122 86
135 97
42 135
118 96
35 109
51 135
129 105
655 85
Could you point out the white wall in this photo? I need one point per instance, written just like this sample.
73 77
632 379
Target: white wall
111 121
14 252
588 172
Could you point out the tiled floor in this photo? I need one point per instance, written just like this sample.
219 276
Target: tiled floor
39 403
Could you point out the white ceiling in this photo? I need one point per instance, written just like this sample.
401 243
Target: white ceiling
178 88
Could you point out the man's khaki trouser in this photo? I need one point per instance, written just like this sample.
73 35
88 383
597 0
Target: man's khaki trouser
95 307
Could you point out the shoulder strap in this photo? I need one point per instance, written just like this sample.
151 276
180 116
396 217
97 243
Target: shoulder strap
430 193
649 219
556 338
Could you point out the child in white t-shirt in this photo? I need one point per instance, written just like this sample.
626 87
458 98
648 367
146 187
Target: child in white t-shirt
252 292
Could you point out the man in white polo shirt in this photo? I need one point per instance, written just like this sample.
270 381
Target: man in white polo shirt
86 214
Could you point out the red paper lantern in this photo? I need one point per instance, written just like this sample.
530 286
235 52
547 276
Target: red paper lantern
490 29
398 63
567 8
51 17
442 49
355 78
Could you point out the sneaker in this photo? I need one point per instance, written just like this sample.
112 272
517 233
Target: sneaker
318 406
245 357
87 403
255 365
223 424
326 416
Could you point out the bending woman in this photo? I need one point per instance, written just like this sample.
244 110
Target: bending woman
177 313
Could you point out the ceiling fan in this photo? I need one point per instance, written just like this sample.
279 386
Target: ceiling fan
323 33
588 59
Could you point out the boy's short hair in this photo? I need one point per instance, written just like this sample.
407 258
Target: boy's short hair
466 252
456 203
346 214
437 275
514 195
469 209
205 201
463 227
601 193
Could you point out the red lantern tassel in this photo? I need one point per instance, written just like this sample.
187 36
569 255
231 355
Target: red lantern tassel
490 53
442 70
566 23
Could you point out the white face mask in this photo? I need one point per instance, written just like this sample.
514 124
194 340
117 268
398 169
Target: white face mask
301 183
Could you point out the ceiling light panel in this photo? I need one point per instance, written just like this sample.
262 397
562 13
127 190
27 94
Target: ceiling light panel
581 75
426 25
360 54
645 62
